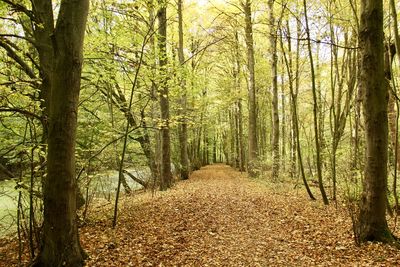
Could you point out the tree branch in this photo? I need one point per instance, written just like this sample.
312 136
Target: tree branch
20 8
30 40
21 111
12 54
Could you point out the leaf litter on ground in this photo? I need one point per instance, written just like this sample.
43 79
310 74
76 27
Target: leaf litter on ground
220 217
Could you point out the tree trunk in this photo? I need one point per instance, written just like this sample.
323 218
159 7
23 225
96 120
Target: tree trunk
253 151
397 154
61 246
289 65
242 158
165 175
372 224
183 135
315 111
293 96
236 137
119 99
232 138
275 108
390 52
283 124
239 112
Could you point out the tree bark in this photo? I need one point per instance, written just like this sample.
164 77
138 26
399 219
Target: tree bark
397 154
239 113
253 150
372 224
183 132
61 246
390 51
165 175
275 108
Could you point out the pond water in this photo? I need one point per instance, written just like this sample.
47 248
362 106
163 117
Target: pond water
101 185
8 206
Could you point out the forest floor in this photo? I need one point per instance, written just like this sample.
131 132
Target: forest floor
219 217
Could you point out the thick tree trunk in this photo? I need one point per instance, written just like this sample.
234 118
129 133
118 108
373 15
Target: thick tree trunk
372 224
252 137
61 245
165 175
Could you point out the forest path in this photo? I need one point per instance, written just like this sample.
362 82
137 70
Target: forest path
219 217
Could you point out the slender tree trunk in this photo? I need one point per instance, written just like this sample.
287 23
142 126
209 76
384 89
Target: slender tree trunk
315 111
372 225
232 139
166 175
143 139
390 52
340 106
397 46
275 106
236 137
183 132
333 113
293 96
239 108
320 102
283 124
61 246
121 177
289 65
214 152
252 137
242 158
